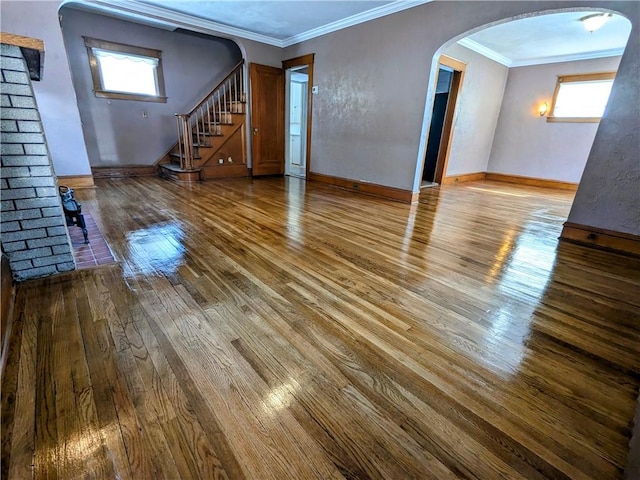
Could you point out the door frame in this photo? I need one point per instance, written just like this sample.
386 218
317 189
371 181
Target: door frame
304 60
289 82
459 69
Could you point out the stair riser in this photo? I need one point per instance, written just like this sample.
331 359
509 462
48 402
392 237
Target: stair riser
180 177
217 130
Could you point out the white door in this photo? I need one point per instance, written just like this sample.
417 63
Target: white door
296 128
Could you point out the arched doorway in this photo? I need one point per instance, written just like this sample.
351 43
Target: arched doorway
476 122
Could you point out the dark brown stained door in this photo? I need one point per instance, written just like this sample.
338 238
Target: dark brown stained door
267 119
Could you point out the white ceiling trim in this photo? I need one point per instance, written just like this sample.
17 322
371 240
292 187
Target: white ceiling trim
485 51
614 52
507 62
356 19
136 10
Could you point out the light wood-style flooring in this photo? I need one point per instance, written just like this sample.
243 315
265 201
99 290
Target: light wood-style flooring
272 329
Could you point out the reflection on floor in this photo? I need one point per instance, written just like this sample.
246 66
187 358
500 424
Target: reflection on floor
91 254
279 329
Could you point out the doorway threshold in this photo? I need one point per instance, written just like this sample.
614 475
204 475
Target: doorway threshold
426 184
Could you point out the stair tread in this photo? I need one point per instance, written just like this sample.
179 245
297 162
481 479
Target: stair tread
176 168
178 155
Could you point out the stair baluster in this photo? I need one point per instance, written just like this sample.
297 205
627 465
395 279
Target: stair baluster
207 117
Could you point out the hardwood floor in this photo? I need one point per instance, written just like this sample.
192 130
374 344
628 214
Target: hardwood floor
277 329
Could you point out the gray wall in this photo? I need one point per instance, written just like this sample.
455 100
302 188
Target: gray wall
477 111
115 131
609 193
369 115
525 143
374 81
55 94
34 233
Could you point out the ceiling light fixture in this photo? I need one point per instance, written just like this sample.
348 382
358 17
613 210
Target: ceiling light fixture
592 23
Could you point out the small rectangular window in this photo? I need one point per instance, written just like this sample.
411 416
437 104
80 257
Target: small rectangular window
125 72
581 98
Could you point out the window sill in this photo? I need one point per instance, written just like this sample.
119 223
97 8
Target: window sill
573 119
130 96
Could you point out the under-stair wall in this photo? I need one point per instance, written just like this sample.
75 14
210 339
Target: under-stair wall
211 138
227 158
117 132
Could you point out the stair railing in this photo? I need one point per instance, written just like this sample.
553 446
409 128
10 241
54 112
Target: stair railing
206 118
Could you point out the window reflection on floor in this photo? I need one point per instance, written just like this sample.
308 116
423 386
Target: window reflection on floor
295 206
156 249
523 267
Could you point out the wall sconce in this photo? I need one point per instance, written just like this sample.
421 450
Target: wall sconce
543 109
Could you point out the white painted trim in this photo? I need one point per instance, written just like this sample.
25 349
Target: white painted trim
132 9
572 57
614 52
137 11
485 51
384 10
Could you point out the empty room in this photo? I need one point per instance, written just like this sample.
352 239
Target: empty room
313 239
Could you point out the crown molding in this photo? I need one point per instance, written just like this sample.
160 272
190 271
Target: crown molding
382 11
573 57
138 11
157 16
527 62
485 51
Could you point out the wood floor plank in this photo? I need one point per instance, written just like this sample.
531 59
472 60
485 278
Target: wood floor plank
19 461
184 431
263 427
83 453
106 437
277 329
114 403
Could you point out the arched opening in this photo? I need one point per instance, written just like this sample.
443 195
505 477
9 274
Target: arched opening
497 127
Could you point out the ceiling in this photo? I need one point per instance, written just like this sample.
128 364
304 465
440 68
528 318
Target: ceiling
529 41
277 19
280 22
557 37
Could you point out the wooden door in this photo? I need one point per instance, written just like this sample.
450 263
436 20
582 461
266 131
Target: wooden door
267 119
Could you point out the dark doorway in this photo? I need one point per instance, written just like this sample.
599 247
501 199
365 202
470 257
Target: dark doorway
438 114
448 86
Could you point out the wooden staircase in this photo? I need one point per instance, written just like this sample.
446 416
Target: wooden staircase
211 137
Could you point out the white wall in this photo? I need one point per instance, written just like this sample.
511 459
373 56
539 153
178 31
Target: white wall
526 144
54 93
477 111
